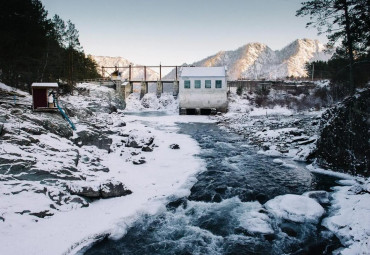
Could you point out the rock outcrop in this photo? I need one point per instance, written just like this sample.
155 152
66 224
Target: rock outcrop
344 142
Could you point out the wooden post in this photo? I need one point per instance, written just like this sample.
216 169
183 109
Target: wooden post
129 73
160 72
176 74
102 71
145 73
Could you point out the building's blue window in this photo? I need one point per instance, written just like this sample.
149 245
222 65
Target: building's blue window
197 84
187 84
208 84
218 84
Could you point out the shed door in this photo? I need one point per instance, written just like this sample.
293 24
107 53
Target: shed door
39 98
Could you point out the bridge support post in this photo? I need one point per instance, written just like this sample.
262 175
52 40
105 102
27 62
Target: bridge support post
131 87
175 88
159 88
121 89
144 89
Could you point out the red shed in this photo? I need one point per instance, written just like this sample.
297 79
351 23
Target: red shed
43 95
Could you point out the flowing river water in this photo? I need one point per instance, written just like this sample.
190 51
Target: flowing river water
225 212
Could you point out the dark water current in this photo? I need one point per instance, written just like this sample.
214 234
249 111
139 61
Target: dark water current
224 213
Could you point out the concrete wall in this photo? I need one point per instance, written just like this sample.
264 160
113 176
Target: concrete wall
203 98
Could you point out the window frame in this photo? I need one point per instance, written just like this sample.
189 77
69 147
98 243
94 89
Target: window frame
195 84
187 84
210 84
220 84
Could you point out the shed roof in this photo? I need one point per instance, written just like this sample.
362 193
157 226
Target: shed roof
218 71
45 85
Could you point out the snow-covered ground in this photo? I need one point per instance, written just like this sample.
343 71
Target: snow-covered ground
39 215
30 210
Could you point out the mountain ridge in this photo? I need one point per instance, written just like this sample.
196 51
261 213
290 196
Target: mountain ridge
253 60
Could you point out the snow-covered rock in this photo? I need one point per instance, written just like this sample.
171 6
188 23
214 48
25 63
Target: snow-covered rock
295 208
349 217
106 189
343 144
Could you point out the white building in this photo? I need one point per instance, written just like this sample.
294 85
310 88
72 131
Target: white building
202 90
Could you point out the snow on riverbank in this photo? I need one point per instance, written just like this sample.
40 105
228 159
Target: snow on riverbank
31 222
349 218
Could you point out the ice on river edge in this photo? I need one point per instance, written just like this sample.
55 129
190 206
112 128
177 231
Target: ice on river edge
295 208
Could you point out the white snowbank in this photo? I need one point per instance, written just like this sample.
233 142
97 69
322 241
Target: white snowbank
350 218
295 208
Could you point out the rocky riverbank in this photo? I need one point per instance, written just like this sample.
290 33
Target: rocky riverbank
325 138
97 179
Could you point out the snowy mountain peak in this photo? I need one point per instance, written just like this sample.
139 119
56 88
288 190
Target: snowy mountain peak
251 61
257 60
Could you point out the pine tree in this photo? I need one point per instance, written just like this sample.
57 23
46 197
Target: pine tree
23 26
341 20
34 48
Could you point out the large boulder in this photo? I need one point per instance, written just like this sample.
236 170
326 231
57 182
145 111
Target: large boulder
138 139
107 189
93 137
344 142
113 189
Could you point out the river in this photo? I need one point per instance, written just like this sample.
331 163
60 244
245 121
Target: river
225 212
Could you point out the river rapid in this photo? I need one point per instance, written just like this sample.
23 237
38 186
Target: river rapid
225 212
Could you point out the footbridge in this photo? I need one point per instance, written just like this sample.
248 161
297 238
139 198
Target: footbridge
123 78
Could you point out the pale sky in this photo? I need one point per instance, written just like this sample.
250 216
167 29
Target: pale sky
173 32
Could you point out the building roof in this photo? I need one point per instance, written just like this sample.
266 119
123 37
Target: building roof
218 71
45 85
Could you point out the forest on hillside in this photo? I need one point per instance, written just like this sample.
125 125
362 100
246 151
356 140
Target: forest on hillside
35 48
